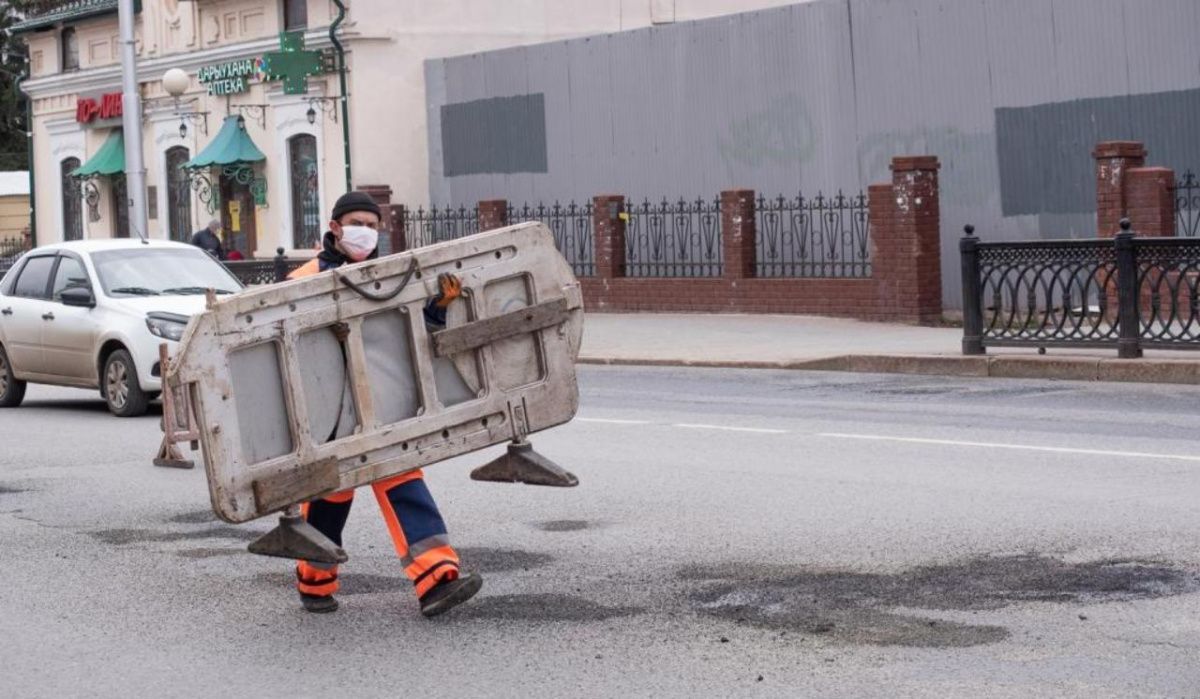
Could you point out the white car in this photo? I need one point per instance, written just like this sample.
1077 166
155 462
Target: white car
91 314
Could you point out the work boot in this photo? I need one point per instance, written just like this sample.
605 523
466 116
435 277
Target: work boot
319 604
448 594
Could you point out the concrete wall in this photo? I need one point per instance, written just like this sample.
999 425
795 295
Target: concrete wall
391 40
1011 95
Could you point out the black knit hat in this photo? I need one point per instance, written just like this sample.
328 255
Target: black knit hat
354 201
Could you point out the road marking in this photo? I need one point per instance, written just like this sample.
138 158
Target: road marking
996 445
608 421
726 428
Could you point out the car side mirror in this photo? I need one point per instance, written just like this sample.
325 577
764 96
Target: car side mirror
78 296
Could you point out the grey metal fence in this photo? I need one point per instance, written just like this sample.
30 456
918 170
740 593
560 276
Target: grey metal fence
674 239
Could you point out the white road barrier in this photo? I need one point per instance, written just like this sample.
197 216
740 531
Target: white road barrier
337 380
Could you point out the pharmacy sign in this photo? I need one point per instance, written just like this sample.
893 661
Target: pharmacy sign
230 78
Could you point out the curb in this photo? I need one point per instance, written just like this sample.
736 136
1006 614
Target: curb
1168 371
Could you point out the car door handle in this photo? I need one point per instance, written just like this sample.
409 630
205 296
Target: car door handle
7 311
47 316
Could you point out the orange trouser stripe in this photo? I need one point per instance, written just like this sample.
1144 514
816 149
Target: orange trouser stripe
389 515
426 561
381 487
311 579
431 566
315 581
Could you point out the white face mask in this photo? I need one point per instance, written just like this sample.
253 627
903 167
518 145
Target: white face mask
359 241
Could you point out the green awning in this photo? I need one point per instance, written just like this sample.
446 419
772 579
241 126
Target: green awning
109 160
232 145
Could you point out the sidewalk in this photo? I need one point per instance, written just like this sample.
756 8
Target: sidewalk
836 344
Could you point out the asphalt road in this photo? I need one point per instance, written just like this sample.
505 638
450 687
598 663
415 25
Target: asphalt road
735 533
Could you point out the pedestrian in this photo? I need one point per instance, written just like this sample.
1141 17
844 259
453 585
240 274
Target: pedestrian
416 527
208 239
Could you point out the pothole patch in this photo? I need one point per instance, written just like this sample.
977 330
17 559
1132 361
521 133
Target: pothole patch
122 537
197 517
490 560
541 608
862 607
564 525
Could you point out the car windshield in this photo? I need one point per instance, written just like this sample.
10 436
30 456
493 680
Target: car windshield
161 271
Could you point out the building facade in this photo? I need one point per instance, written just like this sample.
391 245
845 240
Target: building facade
257 138
234 146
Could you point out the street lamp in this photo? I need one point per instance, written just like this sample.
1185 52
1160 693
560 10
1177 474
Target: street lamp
327 105
176 82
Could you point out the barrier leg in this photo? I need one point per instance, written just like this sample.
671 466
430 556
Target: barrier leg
169 456
295 538
521 464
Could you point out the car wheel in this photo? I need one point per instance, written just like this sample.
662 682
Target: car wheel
12 391
122 392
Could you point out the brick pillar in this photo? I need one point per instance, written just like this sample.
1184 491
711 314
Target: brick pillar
1150 201
493 213
1150 208
1113 160
382 195
608 228
395 218
906 257
738 233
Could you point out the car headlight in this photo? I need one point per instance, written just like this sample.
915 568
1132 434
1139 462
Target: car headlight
168 326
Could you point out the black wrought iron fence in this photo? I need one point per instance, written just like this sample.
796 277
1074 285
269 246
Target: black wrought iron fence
680 239
572 229
1127 293
1187 206
813 237
10 252
256 272
436 225
1168 277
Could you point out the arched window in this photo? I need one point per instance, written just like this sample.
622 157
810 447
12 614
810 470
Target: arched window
72 201
306 196
179 195
70 50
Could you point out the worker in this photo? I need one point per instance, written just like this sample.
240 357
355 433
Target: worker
412 517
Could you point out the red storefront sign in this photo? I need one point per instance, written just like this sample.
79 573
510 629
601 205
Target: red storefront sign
107 106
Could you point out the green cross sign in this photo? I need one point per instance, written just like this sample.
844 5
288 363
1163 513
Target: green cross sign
292 64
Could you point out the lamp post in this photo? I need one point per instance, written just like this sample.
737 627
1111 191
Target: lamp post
175 82
131 105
